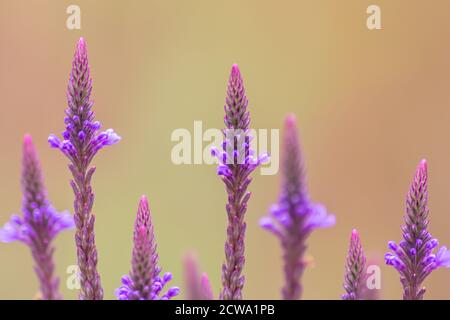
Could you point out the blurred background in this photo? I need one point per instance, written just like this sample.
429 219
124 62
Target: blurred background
370 106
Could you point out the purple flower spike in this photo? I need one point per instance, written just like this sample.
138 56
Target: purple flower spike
236 163
81 141
413 257
197 286
40 222
354 269
144 281
294 216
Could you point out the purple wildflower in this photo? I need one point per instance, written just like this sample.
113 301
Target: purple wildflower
236 163
197 286
82 140
144 281
354 268
294 217
413 257
40 222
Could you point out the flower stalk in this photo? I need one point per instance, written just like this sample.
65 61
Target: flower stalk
236 163
81 142
294 216
40 223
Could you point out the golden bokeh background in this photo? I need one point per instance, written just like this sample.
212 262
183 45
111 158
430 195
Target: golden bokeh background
370 105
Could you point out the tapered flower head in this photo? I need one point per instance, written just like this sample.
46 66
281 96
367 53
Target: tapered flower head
294 216
236 113
39 217
294 210
144 281
413 257
354 268
82 134
40 222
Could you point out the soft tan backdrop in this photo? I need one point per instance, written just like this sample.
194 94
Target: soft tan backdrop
370 105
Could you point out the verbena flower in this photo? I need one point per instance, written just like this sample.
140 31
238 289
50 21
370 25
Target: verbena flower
236 163
294 216
144 281
197 285
413 257
39 224
354 269
82 139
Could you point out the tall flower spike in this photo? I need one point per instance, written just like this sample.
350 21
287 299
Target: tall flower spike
236 163
144 281
39 224
81 141
294 217
413 257
197 286
354 268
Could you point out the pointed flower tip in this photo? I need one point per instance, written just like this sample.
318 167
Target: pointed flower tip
204 278
290 125
81 47
422 170
144 199
29 151
235 72
27 139
290 120
423 166
143 209
190 257
28 146
355 234
81 43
